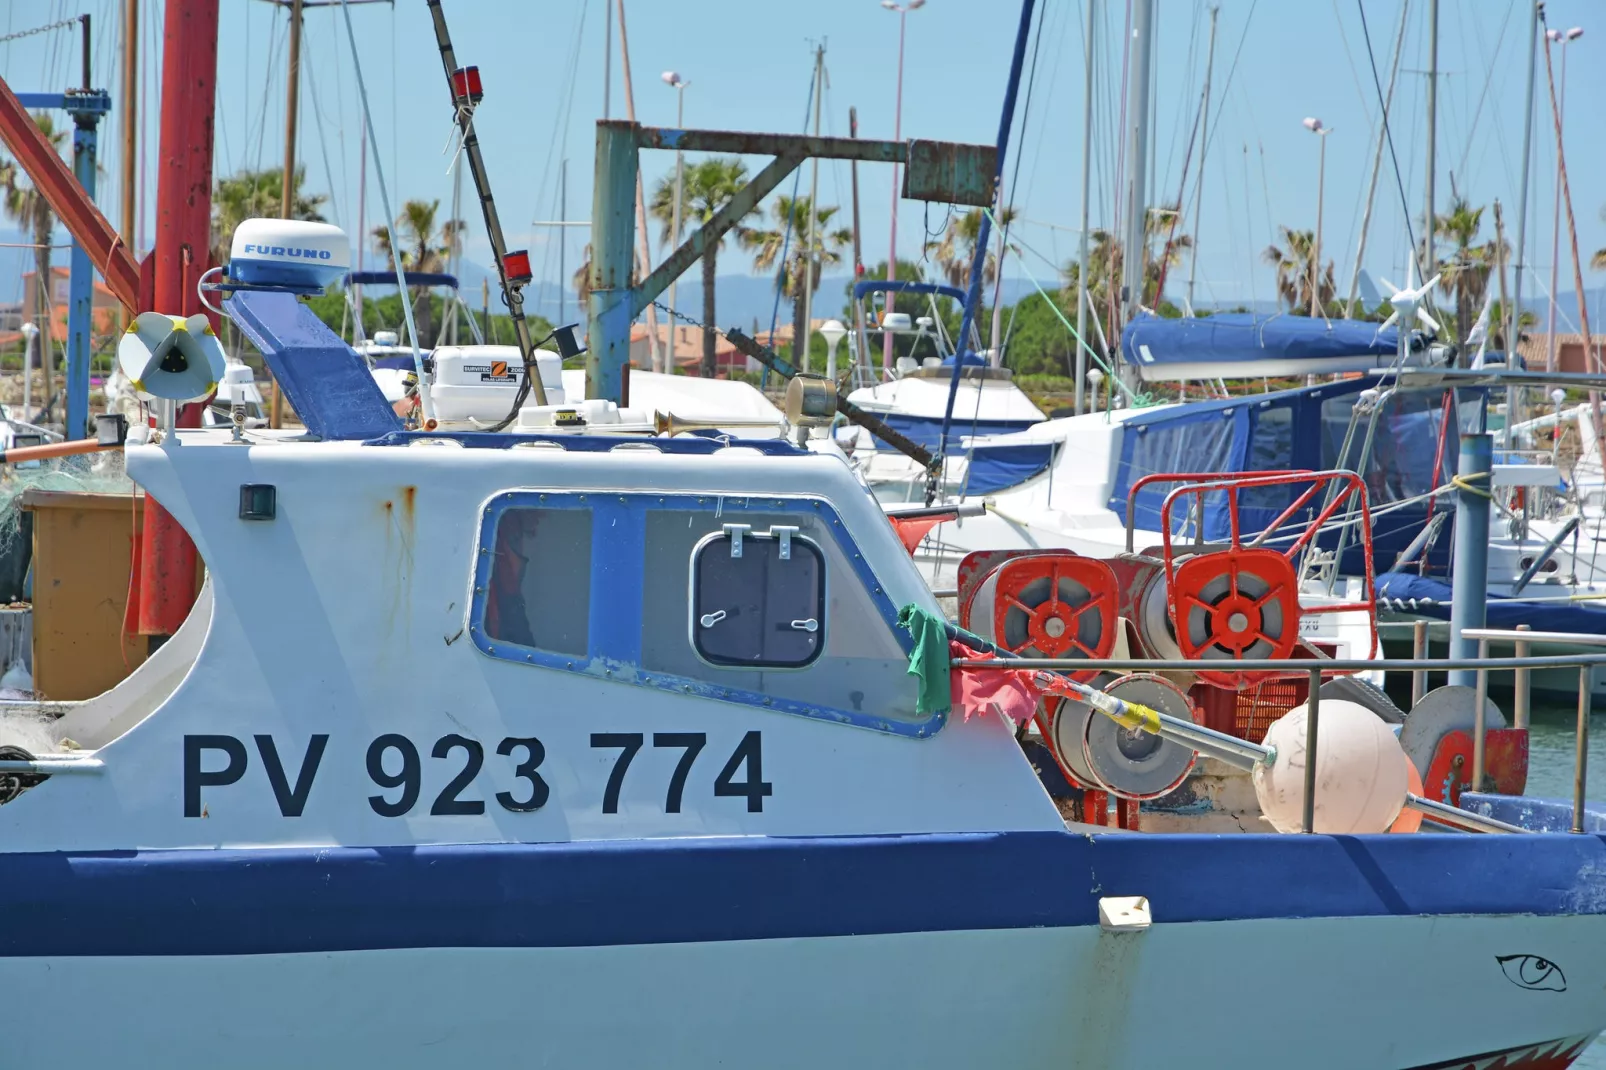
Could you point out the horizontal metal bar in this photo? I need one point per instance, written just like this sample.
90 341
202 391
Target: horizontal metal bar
92 102
1556 661
1511 635
829 148
1454 815
54 765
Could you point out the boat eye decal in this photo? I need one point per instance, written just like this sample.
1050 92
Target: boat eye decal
1533 973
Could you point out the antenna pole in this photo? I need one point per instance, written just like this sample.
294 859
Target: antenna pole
512 292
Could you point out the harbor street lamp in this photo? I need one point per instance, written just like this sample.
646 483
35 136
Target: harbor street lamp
1315 126
1557 37
678 84
903 10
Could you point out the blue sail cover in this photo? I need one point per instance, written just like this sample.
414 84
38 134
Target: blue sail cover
1428 597
996 467
927 430
1234 345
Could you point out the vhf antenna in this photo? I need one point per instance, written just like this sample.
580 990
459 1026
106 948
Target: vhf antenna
512 268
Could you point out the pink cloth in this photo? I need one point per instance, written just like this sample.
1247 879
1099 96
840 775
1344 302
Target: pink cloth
1010 690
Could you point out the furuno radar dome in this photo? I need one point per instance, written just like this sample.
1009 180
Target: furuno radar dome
289 253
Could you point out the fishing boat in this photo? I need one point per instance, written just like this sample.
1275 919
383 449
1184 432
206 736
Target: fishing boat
494 734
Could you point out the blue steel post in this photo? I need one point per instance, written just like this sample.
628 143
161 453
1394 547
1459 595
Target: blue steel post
962 342
1469 603
80 286
613 231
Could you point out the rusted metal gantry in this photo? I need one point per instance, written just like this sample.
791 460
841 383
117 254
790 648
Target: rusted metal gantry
946 172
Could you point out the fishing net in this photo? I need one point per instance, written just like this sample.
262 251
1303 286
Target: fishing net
95 472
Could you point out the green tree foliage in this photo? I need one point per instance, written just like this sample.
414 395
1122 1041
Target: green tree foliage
257 194
807 255
383 312
426 246
26 206
707 186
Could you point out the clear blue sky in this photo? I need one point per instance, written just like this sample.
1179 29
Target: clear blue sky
749 66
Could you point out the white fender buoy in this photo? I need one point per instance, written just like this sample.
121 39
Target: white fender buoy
1361 780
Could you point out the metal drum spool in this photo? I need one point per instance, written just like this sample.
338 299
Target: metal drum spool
1051 605
1154 621
1068 720
1126 762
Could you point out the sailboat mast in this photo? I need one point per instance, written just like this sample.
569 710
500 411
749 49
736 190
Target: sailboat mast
1515 311
1204 146
1138 159
130 117
802 333
1433 103
1087 171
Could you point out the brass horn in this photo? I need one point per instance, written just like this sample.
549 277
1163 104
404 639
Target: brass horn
667 423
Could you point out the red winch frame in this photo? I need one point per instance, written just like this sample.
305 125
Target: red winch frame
1184 580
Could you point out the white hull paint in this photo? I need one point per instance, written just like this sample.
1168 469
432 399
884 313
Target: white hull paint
1313 993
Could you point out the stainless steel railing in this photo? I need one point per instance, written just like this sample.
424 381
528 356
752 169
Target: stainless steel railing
1483 664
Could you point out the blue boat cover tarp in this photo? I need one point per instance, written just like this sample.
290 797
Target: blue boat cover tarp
1244 338
996 467
1430 597
927 430
1303 428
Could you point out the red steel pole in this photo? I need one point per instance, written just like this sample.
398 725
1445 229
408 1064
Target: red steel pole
180 254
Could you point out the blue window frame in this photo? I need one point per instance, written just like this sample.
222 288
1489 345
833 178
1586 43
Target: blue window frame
616 585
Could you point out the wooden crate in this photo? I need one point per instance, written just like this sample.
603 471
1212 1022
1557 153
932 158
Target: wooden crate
82 553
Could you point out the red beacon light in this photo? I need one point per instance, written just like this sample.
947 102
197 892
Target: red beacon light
466 83
516 265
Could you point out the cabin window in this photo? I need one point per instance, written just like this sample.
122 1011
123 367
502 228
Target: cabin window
621 584
758 598
1403 445
537 589
1271 448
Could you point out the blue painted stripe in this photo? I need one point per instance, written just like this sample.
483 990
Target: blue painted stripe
637 892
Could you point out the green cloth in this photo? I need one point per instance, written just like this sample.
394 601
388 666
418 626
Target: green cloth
928 660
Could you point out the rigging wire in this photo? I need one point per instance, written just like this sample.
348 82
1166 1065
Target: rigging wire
786 238
1388 134
1014 183
323 143
1483 96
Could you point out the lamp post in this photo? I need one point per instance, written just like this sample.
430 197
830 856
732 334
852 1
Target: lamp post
903 10
833 332
678 84
1315 126
1559 37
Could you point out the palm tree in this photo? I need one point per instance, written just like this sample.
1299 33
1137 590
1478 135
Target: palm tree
423 249
807 256
1106 263
1466 270
956 251
707 186
28 207
257 194
1294 262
